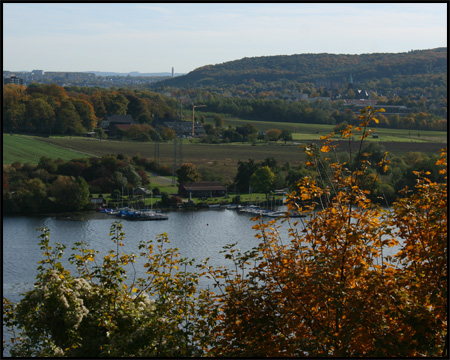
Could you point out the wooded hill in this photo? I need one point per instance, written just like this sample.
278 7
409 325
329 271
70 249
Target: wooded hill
315 67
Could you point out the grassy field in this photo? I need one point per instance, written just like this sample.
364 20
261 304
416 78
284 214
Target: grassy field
219 159
305 132
29 149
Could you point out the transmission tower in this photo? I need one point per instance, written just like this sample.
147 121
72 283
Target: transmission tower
156 152
174 159
177 156
180 152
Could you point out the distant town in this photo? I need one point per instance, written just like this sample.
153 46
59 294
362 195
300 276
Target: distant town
89 79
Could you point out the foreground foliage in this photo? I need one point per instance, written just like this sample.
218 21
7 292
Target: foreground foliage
353 280
330 289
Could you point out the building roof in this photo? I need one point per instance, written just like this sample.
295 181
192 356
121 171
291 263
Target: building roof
203 186
120 119
124 127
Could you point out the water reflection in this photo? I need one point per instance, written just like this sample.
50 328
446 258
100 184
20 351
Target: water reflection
197 235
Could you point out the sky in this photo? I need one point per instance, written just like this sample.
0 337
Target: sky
154 37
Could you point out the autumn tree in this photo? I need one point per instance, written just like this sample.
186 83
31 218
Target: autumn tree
14 106
68 121
187 173
355 280
273 134
86 113
40 116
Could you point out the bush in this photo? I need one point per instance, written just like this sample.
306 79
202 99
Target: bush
97 314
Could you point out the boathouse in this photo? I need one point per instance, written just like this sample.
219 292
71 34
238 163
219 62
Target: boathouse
202 189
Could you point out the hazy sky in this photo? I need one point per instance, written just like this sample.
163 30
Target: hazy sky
151 37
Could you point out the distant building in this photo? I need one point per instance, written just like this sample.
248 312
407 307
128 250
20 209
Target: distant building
202 189
389 109
141 191
361 95
100 202
111 121
12 79
181 128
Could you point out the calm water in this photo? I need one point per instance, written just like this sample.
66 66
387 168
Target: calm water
197 234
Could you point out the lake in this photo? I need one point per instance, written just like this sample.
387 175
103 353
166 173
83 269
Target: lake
197 234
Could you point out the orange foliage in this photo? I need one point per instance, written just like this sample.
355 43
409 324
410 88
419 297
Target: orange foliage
331 290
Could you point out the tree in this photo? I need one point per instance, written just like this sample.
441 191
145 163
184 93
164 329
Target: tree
116 104
286 135
244 172
118 181
331 290
131 175
14 108
70 194
350 94
339 128
167 133
187 173
218 121
273 134
67 119
94 312
86 113
48 164
40 115
262 180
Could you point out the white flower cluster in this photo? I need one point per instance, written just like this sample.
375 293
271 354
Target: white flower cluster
70 298
145 304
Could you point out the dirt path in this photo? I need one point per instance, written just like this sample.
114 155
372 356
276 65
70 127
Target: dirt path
160 180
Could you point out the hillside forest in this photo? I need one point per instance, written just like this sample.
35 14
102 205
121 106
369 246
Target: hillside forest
54 110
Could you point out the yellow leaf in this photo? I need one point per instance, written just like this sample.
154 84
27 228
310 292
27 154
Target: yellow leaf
305 196
134 290
376 120
61 276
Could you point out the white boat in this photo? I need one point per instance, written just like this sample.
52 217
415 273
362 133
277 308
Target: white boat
214 206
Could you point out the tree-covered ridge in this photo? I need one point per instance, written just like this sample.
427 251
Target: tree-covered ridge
52 109
311 67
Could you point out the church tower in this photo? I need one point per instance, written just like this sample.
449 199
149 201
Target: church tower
350 82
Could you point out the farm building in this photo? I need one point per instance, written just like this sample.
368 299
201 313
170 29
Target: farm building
202 189
112 121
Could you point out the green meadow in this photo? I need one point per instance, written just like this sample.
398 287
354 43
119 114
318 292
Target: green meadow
29 149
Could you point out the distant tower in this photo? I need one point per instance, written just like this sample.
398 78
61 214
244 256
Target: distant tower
350 82
172 71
